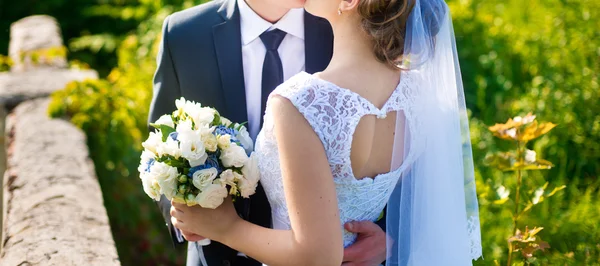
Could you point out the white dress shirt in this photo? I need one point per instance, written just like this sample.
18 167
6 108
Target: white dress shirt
291 51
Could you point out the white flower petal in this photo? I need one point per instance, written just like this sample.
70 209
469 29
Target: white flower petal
235 156
212 196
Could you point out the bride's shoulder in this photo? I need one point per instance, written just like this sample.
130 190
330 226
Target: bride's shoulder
300 88
295 85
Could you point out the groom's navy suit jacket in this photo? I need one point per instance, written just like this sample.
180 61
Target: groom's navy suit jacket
200 58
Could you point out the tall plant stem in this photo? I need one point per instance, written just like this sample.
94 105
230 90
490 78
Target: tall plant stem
520 155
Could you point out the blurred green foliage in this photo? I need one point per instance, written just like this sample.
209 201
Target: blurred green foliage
92 29
540 56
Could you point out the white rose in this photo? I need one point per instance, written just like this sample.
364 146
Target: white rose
190 143
210 141
226 122
203 115
171 147
184 126
237 177
227 178
212 196
145 159
224 141
153 142
250 169
146 156
180 104
151 186
166 176
191 108
247 188
197 159
235 156
166 120
142 169
245 139
204 177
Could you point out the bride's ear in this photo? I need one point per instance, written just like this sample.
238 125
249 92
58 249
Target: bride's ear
348 5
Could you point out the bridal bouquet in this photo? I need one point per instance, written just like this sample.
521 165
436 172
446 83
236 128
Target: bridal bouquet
197 157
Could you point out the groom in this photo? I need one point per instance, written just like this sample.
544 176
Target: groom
230 54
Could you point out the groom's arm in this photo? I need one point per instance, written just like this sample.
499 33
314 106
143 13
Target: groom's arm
166 91
166 83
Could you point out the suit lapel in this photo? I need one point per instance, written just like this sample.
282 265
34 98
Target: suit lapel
318 41
228 47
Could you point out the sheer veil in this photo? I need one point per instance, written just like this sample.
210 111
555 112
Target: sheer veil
432 215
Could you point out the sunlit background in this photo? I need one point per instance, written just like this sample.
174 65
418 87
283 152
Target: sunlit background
539 56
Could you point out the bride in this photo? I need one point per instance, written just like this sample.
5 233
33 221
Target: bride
384 126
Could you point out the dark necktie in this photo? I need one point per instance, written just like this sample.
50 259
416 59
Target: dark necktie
272 72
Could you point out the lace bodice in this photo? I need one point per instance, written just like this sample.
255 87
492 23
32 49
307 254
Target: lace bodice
334 113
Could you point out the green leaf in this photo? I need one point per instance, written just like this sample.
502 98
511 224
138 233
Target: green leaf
166 130
538 195
217 120
241 125
175 163
555 190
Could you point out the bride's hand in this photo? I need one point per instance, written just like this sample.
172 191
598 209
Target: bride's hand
209 223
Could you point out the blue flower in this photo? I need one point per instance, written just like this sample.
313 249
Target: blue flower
211 162
174 135
149 165
223 130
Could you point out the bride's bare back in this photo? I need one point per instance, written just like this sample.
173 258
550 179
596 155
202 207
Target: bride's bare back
373 138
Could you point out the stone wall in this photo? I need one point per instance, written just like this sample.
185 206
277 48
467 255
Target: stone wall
52 209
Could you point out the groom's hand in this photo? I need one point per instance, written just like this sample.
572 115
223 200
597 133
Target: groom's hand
191 237
370 246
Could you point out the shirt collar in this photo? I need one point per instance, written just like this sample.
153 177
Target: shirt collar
252 25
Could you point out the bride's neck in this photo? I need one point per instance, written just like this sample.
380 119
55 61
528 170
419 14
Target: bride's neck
352 46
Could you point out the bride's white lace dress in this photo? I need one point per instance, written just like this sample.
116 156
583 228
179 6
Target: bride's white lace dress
334 113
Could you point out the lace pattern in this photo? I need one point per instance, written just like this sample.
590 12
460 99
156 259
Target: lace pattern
474 230
334 113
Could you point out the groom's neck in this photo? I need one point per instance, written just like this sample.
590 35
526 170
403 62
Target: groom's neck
267 10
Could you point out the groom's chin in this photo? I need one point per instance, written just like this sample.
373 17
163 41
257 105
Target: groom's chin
298 3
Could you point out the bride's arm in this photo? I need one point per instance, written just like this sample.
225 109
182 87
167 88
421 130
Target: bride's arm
316 236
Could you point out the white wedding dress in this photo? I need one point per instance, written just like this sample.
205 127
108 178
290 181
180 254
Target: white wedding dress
334 113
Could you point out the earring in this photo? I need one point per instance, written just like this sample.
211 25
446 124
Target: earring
339 11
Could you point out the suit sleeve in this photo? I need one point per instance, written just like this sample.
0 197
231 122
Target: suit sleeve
165 91
166 83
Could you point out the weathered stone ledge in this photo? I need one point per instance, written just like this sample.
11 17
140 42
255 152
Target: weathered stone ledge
17 87
53 207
